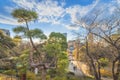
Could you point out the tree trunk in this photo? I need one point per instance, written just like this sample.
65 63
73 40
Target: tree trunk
43 74
23 76
117 73
33 47
113 70
92 62
99 73
31 41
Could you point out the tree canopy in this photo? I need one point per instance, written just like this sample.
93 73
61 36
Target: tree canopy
24 15
58 38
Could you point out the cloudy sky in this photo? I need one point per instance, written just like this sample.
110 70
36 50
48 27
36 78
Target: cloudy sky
54 15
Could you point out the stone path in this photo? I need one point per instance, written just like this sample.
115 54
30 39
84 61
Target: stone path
73 67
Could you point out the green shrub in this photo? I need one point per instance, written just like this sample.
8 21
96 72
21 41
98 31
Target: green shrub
9 72
104 62
31 76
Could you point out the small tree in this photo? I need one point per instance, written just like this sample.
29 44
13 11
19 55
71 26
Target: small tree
6 45
25 16
56 51
105 29
41 54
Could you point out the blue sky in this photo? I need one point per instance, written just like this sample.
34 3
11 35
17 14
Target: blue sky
54 15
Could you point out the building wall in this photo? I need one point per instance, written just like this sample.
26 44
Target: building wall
73 49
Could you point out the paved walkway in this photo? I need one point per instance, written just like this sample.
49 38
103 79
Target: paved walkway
79 68
73 68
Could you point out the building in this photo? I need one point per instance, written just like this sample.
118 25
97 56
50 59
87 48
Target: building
71 46
5 31
74 45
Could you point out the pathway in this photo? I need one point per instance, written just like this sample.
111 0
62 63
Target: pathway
73 68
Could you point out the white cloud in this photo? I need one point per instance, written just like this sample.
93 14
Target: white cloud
27 4
72 27
118 1
78 11
9 9
112 9
50 11
8 20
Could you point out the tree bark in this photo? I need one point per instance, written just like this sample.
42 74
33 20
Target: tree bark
92 62
99 67
116 74
31 41
23 77
33 46
113 69
43 73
